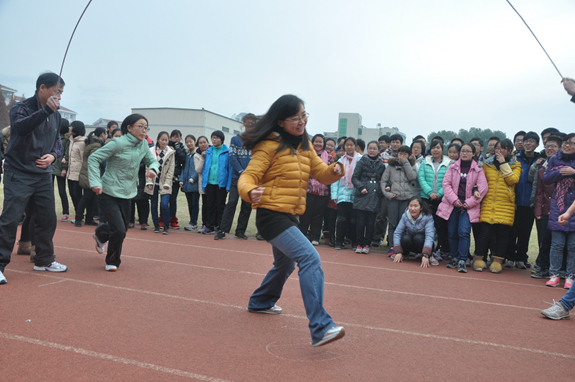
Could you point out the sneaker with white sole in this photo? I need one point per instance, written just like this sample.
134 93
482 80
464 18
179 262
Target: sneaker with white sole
568 282
554 281
358 249
437 255
365 250
54 267
461 266
273 310
111 268
331 335
433 261
100 247
508 264
520 265
556 312
2 279
314 243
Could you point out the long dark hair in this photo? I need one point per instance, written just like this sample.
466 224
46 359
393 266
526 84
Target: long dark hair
97 132
130 120
160 136
284 107
425 208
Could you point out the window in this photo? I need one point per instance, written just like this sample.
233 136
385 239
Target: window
225 129
342 131
236 132
359 132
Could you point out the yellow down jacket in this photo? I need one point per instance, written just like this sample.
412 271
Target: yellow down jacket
284 176
498 206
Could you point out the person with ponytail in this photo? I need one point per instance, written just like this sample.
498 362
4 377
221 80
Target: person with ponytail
119 184
275 182
76 155
94 141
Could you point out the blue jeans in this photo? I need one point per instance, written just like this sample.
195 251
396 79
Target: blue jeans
558 239
164 206
291 247
568 300
459 228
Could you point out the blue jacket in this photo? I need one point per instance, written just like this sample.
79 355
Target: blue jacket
424 224
340 193
524 187
224 168
239 157
189 171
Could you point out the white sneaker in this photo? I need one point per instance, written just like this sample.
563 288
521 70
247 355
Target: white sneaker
2 279
54 267
100 247
315 242
111 268
273 310
332 334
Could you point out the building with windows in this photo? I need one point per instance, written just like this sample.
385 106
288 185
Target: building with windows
349 125
189 121
67 114
8 93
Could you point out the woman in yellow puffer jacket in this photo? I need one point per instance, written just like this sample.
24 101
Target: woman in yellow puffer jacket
498 207
275 182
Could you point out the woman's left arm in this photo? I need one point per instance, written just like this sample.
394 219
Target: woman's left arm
511 174
482 187
322 172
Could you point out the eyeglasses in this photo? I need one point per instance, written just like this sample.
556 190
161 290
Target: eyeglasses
519 141
142 127
530 142
551 147
466 152
568 143
500 149
297 120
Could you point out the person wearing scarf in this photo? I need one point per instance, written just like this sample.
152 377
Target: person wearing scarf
317 196
560 171
343 193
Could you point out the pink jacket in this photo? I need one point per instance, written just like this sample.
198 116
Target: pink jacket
475 177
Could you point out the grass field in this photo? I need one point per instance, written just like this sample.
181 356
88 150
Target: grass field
183 216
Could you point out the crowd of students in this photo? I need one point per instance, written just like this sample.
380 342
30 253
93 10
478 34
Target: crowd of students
429 197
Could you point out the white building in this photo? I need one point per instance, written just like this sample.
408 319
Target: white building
7 93
67 114
349 125
197 122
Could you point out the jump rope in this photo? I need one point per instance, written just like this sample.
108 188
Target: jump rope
508 2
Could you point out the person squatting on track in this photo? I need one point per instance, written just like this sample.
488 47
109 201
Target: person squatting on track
119 184
275 182
33 146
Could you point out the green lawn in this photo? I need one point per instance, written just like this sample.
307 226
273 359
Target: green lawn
184 218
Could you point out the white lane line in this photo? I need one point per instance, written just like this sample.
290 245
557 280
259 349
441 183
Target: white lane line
368 327
419 273
55 282
109 357
295 278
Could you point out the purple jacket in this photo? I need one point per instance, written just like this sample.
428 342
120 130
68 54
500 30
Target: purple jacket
552 176
451 180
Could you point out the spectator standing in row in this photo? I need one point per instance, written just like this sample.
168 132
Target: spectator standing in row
161 185
76 155
199 161
180 158
110 127
60 167
216 181
189 182
239 158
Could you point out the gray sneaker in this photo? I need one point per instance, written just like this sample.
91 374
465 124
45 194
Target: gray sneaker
273 310
508 264
331 335
556 312
452 264
520 265
461 267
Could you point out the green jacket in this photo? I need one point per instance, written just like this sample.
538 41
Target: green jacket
58 165
123 156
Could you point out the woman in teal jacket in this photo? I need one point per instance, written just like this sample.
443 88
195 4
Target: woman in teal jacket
430 176
119 184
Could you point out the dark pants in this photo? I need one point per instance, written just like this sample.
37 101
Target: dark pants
193 199
164 206
345 219
116 212
412 243
204 210
143 207
365 221
27 232
75 193
313 216
518 243
331 220
36 192
381 221
215 205
440 227
501 234
62 192
544 236
230 212
86 203
174 199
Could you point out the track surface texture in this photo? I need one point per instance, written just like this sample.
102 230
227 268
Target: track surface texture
176 311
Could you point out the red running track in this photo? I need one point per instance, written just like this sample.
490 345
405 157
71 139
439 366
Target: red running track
176 311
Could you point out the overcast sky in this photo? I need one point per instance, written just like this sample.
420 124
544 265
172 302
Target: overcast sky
419 65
